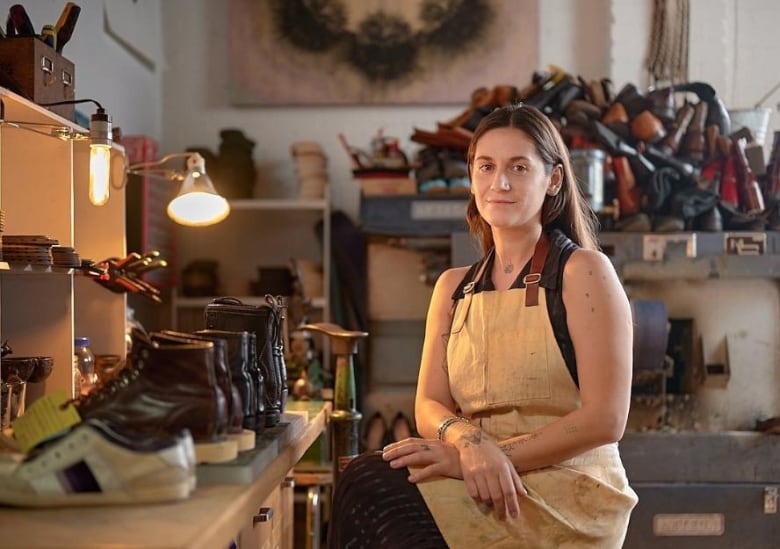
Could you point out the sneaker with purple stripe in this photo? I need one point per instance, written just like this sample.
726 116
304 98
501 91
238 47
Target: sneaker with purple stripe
96 464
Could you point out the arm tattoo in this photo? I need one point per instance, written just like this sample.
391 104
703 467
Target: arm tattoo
510 446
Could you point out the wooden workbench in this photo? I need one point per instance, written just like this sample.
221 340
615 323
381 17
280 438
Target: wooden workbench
215 514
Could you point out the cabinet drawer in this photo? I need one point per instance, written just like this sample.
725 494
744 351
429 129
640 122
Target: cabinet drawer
271 527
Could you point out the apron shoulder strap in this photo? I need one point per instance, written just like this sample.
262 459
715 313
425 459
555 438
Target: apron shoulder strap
532 279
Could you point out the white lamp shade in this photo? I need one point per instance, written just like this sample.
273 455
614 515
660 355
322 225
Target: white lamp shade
198 204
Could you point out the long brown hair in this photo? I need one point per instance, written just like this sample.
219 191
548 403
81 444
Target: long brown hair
567 210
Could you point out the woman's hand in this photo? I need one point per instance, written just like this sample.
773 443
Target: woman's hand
489 476
430 458
488 473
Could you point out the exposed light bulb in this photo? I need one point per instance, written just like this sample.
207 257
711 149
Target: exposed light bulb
99 173
99 157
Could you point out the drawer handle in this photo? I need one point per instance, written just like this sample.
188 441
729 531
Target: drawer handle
47 65
264 514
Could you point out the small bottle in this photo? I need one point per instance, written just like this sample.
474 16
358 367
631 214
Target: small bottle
84 375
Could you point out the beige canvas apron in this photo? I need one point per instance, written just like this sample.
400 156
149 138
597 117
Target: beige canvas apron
508 375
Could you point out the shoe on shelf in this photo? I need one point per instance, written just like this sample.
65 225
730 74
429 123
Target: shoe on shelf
96 464
166 388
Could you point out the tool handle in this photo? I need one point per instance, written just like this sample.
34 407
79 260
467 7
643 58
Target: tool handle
65 24
21 21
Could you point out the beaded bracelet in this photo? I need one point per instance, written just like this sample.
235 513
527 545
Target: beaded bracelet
446 422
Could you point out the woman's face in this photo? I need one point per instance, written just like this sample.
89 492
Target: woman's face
509 180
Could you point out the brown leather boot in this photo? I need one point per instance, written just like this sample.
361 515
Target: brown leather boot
241 373
235 406
164 389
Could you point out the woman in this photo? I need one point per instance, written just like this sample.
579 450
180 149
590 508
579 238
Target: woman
525 376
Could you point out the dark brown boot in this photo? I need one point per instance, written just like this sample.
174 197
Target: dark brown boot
164 389
235 406
241 371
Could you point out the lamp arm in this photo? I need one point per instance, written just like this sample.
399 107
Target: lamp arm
153 169
141 166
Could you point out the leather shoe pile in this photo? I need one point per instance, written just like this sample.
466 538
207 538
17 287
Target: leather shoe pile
673 161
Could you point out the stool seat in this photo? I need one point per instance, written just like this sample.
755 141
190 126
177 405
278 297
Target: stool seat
344 341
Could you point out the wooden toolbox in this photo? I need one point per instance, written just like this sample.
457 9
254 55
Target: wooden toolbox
31 68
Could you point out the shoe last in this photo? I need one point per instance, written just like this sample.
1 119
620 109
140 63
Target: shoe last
402 427
376 432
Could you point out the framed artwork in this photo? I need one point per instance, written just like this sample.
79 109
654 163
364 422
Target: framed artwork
349 52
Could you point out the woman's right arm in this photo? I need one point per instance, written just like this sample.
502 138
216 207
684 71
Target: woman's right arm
433 401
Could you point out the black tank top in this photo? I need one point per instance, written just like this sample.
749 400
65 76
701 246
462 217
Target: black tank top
561 248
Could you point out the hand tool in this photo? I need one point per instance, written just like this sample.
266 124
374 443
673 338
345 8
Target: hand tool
65 24
21 21
10 30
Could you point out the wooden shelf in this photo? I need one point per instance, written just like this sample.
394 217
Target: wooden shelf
179 301
279 204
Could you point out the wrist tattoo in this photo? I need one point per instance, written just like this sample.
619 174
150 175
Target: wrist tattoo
474 437
569 428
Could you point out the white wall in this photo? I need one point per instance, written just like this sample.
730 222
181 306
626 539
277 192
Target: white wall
107 69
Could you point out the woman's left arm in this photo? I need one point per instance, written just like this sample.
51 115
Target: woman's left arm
600 324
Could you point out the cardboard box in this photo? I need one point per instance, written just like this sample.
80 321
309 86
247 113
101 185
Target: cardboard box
32 69
396 290
373 186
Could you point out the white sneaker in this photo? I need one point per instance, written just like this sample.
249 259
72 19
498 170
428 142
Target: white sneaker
94 464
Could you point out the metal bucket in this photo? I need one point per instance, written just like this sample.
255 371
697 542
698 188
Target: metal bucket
588 167
756 120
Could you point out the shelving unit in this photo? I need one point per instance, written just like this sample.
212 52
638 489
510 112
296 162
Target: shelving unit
43 186
263 245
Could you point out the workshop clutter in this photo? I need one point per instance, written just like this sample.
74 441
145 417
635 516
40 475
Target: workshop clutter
673 160
32 62
383 169
310 168
37 252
